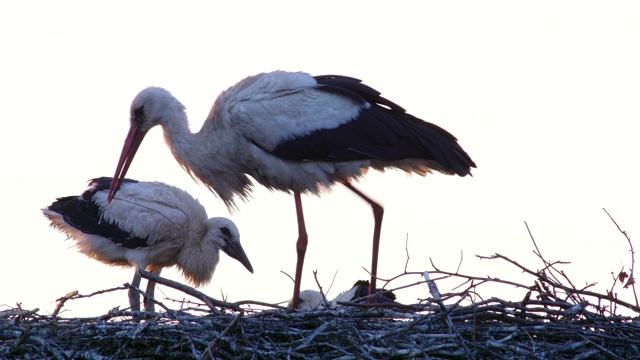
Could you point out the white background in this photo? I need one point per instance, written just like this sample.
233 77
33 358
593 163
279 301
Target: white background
543 95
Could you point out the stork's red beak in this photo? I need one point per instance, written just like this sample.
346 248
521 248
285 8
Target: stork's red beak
131 145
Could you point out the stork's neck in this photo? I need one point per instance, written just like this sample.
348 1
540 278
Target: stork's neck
207 155
197 262
189 149
180 139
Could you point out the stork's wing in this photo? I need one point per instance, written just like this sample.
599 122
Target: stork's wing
150 210
278 107
86 217
341 119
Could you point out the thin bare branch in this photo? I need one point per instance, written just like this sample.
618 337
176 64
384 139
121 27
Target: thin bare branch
209 301
631 278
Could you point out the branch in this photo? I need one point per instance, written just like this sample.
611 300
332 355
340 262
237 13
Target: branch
209 301
546 280
632 281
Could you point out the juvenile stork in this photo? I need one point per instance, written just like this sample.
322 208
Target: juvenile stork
296 133
148 225
313 300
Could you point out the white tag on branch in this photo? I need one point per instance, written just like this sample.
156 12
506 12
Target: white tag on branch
433 288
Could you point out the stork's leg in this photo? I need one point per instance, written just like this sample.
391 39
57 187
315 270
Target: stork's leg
149 305
378 211
134 296
301 249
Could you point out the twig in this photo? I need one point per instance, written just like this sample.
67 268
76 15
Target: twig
75 295
563 287
209 301
471 277
406 250
332 281
289 276
433 289
324 296
547 264
632 281
62 300
208 351
603 350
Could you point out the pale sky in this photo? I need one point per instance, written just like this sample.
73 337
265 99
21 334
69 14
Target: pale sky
543 95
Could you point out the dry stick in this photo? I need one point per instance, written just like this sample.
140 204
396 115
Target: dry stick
551 267
332 281
631 280
18 313
610 291
153 299
433 289
470 277
260 303
547 263
315 277
214 344
406 264
49 347
289 276
60 302
75 295
388 280
324 297
404 286
406 250
607 352
565 288
542 278
23 335
542 285
209 301
460 262
136 289
405 273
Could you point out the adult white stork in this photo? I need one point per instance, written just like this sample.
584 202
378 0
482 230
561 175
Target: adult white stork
296 133
148 225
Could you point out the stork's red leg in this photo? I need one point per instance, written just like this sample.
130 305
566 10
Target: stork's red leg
378 211
134 296
149 305
301 249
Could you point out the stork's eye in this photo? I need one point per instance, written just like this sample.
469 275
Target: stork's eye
225 231
138 113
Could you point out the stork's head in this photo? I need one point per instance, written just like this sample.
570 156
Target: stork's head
226 236
152 106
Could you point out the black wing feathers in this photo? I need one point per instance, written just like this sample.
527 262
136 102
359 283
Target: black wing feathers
103 183
84 214
355 89
382 131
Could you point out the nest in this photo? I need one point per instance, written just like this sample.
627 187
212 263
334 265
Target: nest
554 320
